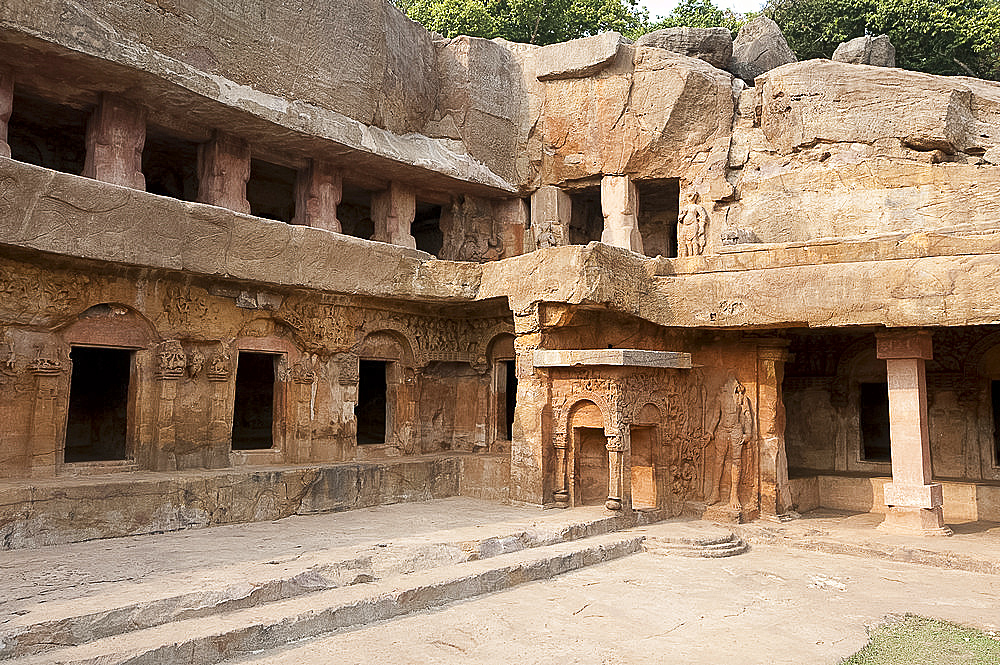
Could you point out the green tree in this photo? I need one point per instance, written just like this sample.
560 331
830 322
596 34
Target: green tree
935 36
701 14
527 21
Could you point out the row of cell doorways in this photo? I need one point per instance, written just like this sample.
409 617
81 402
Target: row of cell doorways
591 467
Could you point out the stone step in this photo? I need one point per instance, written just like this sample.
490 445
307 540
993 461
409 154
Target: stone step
711 547
128 606
237 633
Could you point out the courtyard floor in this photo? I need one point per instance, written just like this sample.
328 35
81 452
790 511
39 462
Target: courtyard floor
806 592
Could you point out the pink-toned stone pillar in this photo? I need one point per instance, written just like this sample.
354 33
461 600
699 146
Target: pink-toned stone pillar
223 172
318 191
6 107
116 134
620 206
393 211
775 496
914 501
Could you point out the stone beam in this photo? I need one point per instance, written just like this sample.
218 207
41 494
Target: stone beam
620 206
551 211
6 106
393 211
318 192
116 134
914 501
223 172
611 357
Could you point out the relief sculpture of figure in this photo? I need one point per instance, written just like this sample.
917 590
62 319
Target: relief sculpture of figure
692 226
732 429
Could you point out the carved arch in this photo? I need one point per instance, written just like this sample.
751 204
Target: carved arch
978 352
112 325
566 412
404 338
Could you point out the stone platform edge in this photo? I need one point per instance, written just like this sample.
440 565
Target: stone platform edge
36 513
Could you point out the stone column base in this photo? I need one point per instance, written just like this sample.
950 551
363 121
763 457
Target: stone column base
909 521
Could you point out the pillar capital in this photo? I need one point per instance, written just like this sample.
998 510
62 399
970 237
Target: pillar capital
904 344
773 350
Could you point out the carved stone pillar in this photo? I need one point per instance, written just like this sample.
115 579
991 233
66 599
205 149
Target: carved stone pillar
616 450
561 493
532 416
171 361
393 211
513 217
318 191
223 172
45 447
914 501
219 427
116 133
620 206
6 106
551 213
304 380
775 496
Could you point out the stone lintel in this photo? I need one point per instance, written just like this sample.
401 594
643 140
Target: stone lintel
914 344
913 496
612 357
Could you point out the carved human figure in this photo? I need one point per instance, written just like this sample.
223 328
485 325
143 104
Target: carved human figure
692 226
545 235
732 428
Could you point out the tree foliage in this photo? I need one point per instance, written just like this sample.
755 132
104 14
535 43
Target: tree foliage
527 21
934 36
701 14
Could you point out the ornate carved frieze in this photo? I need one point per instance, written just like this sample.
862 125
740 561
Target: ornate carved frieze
171 361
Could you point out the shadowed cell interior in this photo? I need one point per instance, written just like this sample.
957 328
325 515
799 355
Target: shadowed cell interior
874 415
97 425
253 412
370 410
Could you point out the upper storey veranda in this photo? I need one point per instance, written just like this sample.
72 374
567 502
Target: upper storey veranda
349 117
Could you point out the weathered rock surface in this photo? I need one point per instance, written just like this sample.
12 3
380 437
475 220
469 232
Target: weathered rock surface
666 107
867 50
713 45
865 105
579 57
759 47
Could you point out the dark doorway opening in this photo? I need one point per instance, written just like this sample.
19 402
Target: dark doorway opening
170 165
995 400
874 421
47 134
97 426
370 410
253 411
510 397
426 228
271 191
659 206
355 212
586 218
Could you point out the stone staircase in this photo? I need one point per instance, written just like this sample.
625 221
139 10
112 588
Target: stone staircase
223 614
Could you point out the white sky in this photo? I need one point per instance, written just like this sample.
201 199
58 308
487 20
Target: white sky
663 7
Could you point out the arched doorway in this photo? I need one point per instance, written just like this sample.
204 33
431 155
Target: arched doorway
590 455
